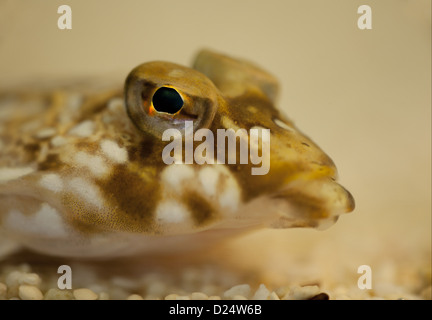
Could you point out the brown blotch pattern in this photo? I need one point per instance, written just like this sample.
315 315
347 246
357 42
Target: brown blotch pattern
88 146
82 219
32 150
51 162
133 198
265 108
201 210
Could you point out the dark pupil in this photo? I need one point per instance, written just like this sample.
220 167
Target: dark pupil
167 100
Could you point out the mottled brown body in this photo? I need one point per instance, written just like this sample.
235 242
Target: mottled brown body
82 174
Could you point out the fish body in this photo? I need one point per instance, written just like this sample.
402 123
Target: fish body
106 173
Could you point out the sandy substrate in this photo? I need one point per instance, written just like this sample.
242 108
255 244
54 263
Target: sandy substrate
252 267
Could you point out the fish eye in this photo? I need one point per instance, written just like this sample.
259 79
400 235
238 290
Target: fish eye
167 100
156 101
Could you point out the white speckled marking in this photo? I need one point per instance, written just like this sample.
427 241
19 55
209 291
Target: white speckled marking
115 104
171 212
45 223
58 141
89 192
209 178
84 129
229 124
7 174
95 164
252 109
114 152
52 182
283 125
230 198
174 174
176 73
46 133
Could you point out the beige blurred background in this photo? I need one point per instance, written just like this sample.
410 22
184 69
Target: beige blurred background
363 95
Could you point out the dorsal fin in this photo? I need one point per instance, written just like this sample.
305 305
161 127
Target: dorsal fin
228 73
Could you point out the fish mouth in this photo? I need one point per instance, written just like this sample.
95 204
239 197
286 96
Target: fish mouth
317 203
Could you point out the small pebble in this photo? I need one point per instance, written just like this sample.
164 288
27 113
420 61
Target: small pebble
30 279
199 296
3 291
301 293
27 292
152 297
84 294
117 293
57 294
12 279
18 282
282 291
104 296
174 296
262 293
239 290
157 288
274 296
